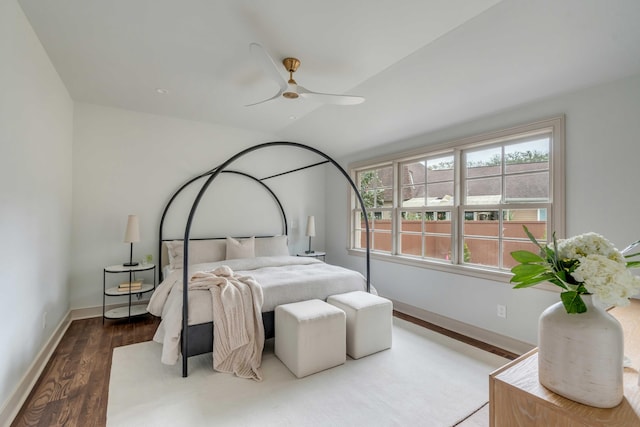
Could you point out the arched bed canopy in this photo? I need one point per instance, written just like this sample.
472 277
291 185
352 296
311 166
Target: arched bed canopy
194 179
212 175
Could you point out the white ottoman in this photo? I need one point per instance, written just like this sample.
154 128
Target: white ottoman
310 336
369 320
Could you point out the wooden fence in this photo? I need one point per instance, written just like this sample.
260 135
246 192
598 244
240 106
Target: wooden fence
481 239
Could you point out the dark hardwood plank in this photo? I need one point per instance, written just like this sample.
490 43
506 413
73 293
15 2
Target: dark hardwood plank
467 340
73 388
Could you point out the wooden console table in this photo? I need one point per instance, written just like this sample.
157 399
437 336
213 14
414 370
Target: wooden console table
516 398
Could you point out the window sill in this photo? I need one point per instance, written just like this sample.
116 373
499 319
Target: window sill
466 270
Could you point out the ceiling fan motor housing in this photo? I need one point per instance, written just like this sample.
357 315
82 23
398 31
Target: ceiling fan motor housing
291 65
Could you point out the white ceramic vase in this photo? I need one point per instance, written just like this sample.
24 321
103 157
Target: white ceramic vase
580 356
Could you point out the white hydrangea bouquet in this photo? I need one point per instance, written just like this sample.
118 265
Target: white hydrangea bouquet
581 265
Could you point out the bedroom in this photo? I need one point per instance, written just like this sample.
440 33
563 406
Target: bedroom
72 169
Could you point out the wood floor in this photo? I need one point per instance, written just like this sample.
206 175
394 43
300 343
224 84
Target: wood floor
73 388
479 344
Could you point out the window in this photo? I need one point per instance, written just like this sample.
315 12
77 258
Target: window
462 205
426 203
376 190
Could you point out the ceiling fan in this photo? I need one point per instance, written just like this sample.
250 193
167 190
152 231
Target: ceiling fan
290 89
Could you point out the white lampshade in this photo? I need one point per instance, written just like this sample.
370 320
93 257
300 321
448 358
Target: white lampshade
311 226
132 234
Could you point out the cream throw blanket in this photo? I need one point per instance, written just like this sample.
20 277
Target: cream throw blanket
237 321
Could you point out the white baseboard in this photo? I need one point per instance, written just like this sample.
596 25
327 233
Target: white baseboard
13 405
498 340
89 312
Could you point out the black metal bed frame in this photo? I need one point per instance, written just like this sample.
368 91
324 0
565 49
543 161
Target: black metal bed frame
198 339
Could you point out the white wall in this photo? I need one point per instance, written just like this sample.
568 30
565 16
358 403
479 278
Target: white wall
36 127
602 152
130 163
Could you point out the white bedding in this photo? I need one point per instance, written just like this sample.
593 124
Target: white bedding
284 279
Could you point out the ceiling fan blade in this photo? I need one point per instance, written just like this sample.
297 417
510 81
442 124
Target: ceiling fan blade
268 64
277 95
329 98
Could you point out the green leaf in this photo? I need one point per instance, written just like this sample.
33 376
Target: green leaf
554 253
550 254
572 302
581 289
531 237
528 283
525 282
633 264
526 257
562 275
529 270
556 281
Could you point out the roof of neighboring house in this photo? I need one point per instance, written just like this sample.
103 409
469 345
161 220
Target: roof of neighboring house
484 184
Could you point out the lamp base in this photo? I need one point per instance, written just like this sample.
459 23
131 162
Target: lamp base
309 252
131 262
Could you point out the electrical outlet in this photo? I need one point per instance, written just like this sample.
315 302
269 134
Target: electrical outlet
502 311
44 320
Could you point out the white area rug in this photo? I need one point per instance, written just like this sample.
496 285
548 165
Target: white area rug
425 379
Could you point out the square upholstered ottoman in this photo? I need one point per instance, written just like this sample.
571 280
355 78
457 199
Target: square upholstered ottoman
369 321
310 336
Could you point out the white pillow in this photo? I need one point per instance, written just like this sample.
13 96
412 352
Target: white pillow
200 251
241 248
272 246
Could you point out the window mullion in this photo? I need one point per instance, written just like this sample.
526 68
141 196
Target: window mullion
423 234
500 234
395 218
459 189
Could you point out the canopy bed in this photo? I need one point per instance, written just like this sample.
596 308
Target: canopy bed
187 322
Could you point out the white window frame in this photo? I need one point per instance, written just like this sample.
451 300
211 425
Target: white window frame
555 213
354 212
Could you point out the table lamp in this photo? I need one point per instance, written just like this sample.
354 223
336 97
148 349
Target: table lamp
311 231
131 235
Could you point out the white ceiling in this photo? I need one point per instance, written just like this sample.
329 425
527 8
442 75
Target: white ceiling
421 64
